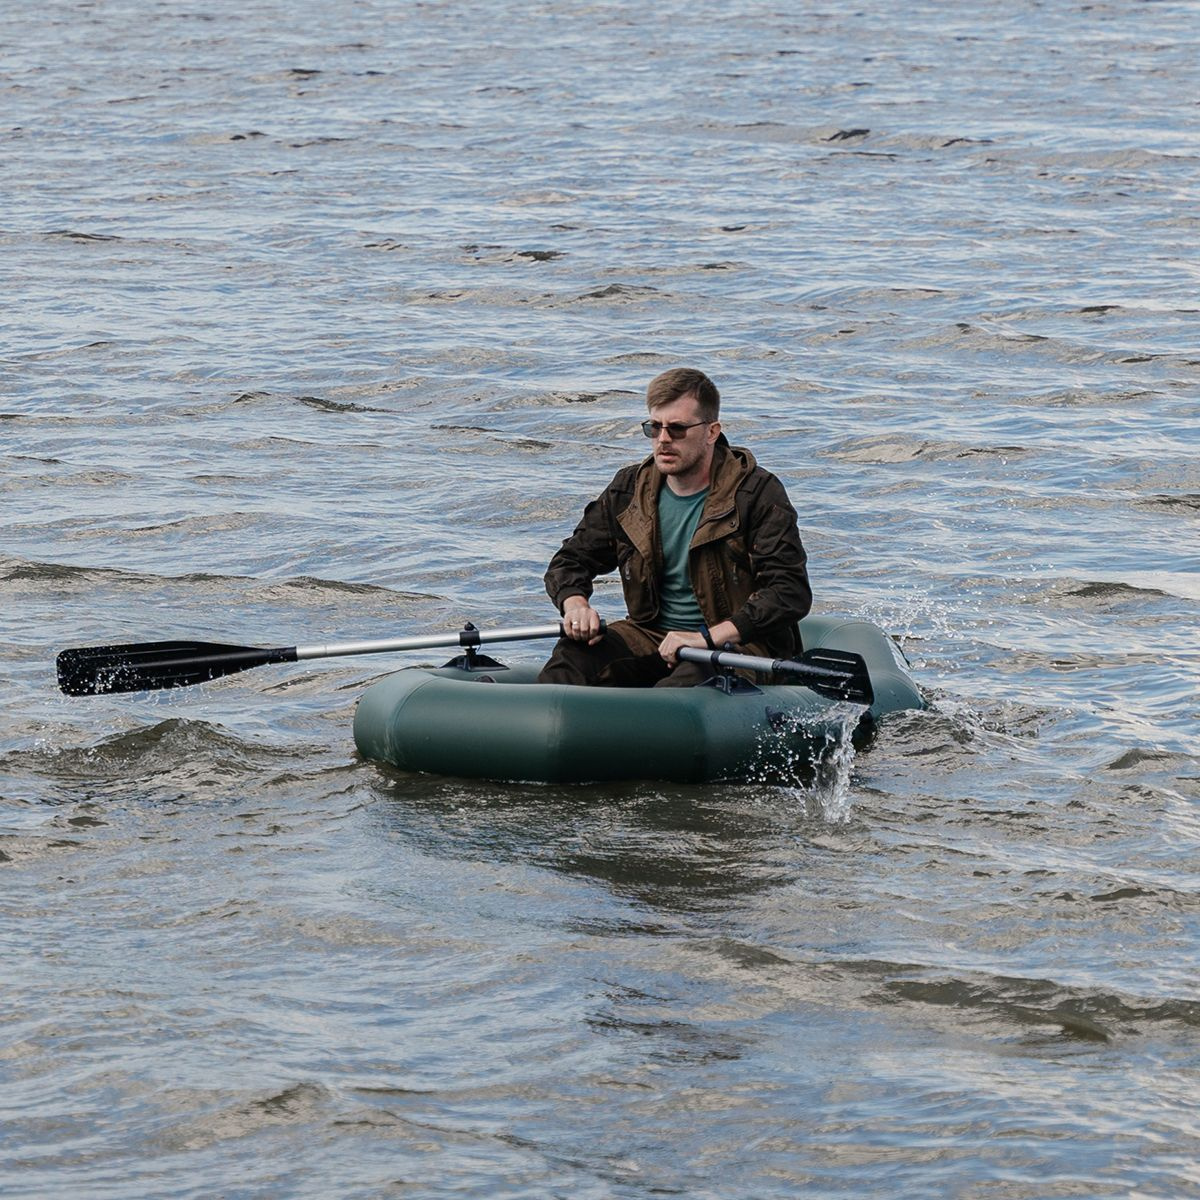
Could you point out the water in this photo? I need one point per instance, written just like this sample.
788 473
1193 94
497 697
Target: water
321 322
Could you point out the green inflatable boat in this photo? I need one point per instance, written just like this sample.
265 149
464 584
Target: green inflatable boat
482 720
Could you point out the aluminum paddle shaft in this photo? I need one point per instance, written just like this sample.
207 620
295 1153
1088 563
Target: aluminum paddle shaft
465 637
143 666
838 674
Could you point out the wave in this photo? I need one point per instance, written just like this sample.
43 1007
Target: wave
320 403
482 297
303 1104
187 758
98 477
1086 1013
1105 590
964 337
1083 1013
1133 159
211 523
174 735
75 235
900 448
616 293
336 406
23 572
1182 502
497 255
1166 761
851 137
313 587
1087 398
1098 595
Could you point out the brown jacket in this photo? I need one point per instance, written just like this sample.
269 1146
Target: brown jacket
746 559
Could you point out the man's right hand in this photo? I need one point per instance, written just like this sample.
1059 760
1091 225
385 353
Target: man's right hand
581 622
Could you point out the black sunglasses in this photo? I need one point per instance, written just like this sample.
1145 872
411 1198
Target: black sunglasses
675 429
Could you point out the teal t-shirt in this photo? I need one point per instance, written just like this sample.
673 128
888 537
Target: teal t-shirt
678 517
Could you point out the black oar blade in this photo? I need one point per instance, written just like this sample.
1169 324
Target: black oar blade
142 666
838 674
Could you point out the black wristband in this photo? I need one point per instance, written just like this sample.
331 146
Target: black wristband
707 637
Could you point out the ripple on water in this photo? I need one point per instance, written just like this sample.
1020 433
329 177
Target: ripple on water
328 328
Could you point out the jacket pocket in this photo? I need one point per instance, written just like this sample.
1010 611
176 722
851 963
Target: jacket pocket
637 582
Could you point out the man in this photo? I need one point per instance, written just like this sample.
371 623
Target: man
707 546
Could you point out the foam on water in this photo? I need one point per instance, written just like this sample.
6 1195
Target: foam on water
810 760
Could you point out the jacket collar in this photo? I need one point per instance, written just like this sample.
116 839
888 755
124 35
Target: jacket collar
730 465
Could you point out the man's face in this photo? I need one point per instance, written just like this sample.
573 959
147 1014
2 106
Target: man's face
682 456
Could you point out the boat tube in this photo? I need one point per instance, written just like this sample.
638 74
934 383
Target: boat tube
479 719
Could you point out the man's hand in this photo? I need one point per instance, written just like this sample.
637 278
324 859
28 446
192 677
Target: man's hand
581 622
670 646
721 635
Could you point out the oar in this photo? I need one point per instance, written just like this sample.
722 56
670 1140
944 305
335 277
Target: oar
141 666
838 674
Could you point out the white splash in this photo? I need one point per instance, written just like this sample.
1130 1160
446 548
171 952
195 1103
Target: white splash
833 764
815 759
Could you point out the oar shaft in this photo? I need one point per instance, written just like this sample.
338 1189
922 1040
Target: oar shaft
839 674
465 637
752 662
143 666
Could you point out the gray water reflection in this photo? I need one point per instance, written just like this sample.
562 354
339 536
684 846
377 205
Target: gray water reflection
322 321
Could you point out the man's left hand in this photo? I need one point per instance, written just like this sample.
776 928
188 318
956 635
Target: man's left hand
724 634
670 646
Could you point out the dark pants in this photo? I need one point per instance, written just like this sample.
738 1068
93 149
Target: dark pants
626 656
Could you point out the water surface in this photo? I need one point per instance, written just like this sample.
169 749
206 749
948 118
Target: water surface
323 322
